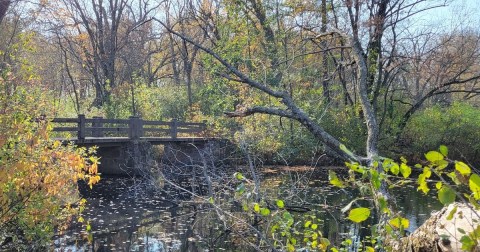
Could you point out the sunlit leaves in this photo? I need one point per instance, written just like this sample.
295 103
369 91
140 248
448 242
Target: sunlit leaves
280 204
256 207
443 150
264 211
422 180
433 156
334 180
307 224
463 168
358 215
355 167
405 170
474 184
400 223
40 183
238 175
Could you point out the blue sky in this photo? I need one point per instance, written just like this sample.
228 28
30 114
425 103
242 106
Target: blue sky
459 14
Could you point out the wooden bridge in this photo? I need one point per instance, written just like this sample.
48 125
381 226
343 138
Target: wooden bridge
100 131
122 142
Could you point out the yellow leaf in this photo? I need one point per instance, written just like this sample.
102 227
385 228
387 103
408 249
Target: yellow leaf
463 168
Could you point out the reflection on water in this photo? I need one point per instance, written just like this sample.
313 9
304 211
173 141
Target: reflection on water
122 220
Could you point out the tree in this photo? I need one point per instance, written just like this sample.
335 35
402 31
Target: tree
4 4
103 30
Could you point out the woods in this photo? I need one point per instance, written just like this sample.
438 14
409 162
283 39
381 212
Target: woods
363 82
305 62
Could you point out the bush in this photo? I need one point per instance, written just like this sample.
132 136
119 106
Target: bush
38 176
457 126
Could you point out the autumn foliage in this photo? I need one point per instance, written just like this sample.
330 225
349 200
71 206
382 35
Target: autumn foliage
38 176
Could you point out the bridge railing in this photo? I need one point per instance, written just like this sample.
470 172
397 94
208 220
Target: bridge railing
133 128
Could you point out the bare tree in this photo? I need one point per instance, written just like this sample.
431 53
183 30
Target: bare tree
106 28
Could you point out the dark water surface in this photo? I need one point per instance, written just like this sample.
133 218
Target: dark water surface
125 218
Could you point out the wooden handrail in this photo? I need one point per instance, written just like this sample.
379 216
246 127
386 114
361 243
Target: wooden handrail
135 127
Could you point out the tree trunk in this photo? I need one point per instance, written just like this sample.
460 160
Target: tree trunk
440 234
325 85
4 4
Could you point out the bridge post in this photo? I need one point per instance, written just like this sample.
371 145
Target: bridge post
173 129
96 124
135 128
81 127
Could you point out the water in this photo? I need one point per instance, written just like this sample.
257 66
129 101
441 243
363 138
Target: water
124 218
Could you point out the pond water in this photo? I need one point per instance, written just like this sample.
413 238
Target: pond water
123 218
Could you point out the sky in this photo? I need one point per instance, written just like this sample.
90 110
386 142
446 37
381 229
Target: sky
459 14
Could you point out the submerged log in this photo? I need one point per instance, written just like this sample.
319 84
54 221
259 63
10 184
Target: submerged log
443 231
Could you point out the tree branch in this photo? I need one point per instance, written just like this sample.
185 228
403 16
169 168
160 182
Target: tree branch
244 78
260 110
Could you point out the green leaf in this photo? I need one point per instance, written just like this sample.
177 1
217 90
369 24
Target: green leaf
441 164
334 180
453 177
290 247
358 215
239 175
307 224
241 188
405 170
347 151
264 211
467 243
314 226
446 195
462 168
369 249
325 242
450 215
427 172
293 241
280 204
334 250
355 167
256 207
274 228
400 223
444 150
211 200
474 184
375 179
422 184
438 185
394 168
433 156
287 216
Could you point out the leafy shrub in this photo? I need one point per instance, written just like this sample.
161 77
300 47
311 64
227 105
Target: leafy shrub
38 176
457 126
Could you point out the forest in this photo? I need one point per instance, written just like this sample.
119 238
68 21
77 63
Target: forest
379 88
